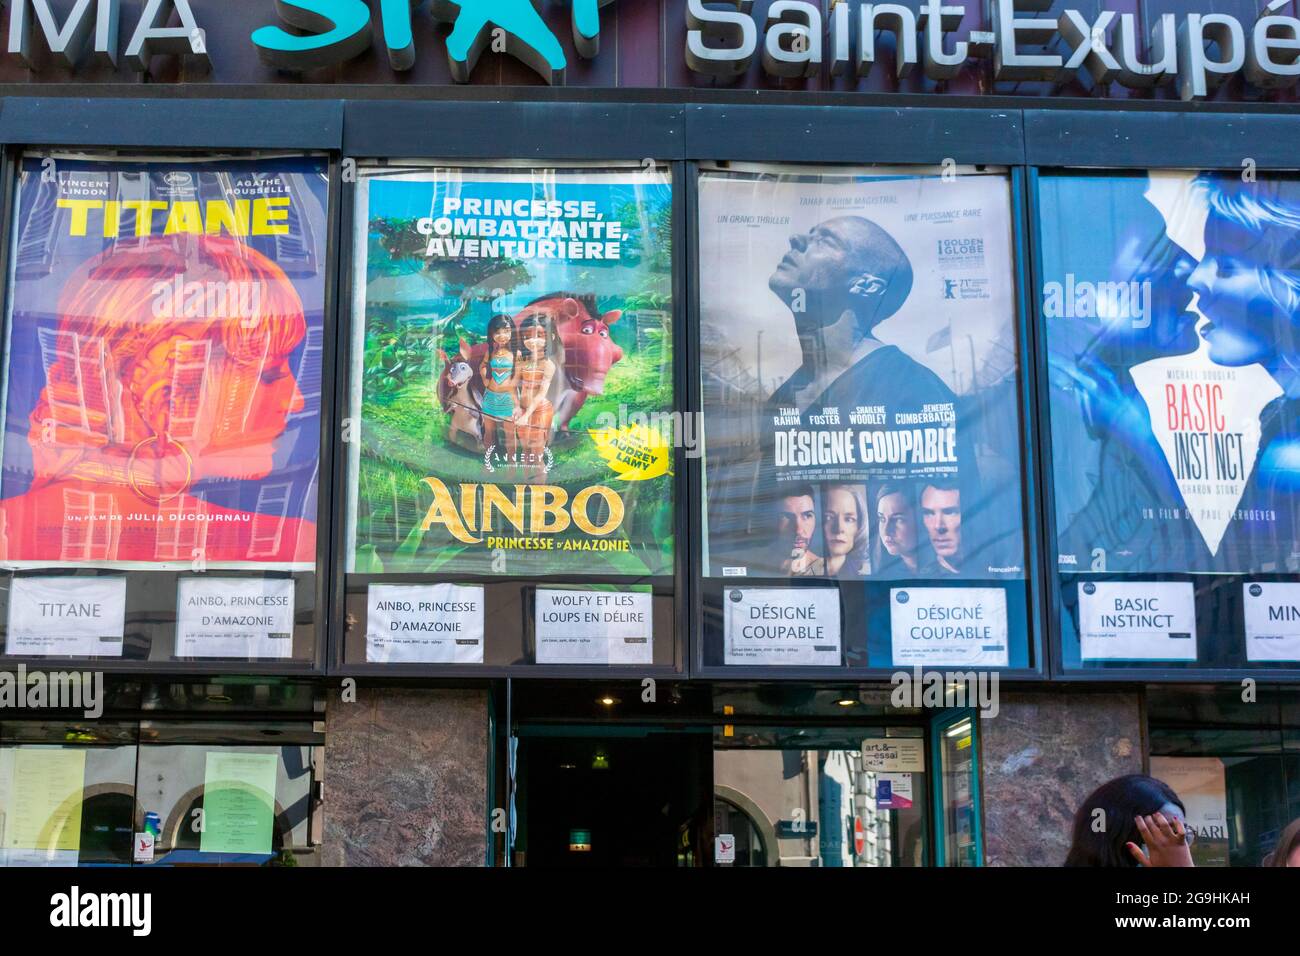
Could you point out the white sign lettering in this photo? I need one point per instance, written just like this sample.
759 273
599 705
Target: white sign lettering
1137 621
248 618
67 617
938 626
797 626
1272 621
424 624
1195 51
893 755
586 626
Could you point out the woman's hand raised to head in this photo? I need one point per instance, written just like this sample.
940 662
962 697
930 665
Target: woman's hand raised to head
1165 840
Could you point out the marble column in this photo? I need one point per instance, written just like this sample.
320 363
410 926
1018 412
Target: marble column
1040 756
406 778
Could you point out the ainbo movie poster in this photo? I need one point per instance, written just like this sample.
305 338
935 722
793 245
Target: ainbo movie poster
512 382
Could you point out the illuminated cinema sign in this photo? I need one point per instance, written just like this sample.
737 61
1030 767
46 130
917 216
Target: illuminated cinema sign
723 39
337 30
1193 50
67 42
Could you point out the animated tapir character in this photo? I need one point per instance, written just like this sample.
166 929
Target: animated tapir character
588 351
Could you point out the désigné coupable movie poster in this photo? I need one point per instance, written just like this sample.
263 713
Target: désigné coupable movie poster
513 373
162 395
1171 302
859 375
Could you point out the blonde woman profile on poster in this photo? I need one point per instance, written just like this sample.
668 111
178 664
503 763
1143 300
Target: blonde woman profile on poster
1186 400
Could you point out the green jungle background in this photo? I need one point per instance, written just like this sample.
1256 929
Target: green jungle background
404 428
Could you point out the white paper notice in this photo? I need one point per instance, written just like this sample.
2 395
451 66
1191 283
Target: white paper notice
67 617
594 627
940 626
235 617
143 849
724 848
893 755
796 626
424 624
1272 621
1137 621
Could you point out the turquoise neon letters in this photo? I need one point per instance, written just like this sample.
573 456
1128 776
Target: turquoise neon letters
338 30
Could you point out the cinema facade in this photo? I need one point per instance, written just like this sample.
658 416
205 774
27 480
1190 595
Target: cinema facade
667 433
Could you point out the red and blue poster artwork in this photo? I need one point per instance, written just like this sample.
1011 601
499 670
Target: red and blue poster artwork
162 396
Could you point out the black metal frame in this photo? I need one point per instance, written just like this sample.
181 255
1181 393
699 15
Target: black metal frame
489 134
194 127
678 127
1080 142
855 137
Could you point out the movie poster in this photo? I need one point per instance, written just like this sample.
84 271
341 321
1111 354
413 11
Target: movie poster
512 375
1172 307
859 372
1202 785
162 394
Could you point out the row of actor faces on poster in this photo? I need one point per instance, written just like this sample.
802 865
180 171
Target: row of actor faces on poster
891 529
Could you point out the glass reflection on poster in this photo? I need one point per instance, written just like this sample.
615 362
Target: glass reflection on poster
512 372
859 376
1172 308
1202 786
163 384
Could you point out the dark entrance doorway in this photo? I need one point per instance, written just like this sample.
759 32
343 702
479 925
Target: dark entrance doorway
604 797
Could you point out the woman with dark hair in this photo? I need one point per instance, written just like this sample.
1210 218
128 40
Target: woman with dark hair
898 548
535 370
1133 820
1287 851
500 399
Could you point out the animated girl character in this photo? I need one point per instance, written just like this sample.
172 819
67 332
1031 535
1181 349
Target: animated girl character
535 372
167 385
498 373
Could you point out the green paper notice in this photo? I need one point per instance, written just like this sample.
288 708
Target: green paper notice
238 802
44 811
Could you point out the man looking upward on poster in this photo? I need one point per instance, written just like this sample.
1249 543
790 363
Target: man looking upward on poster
840 280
